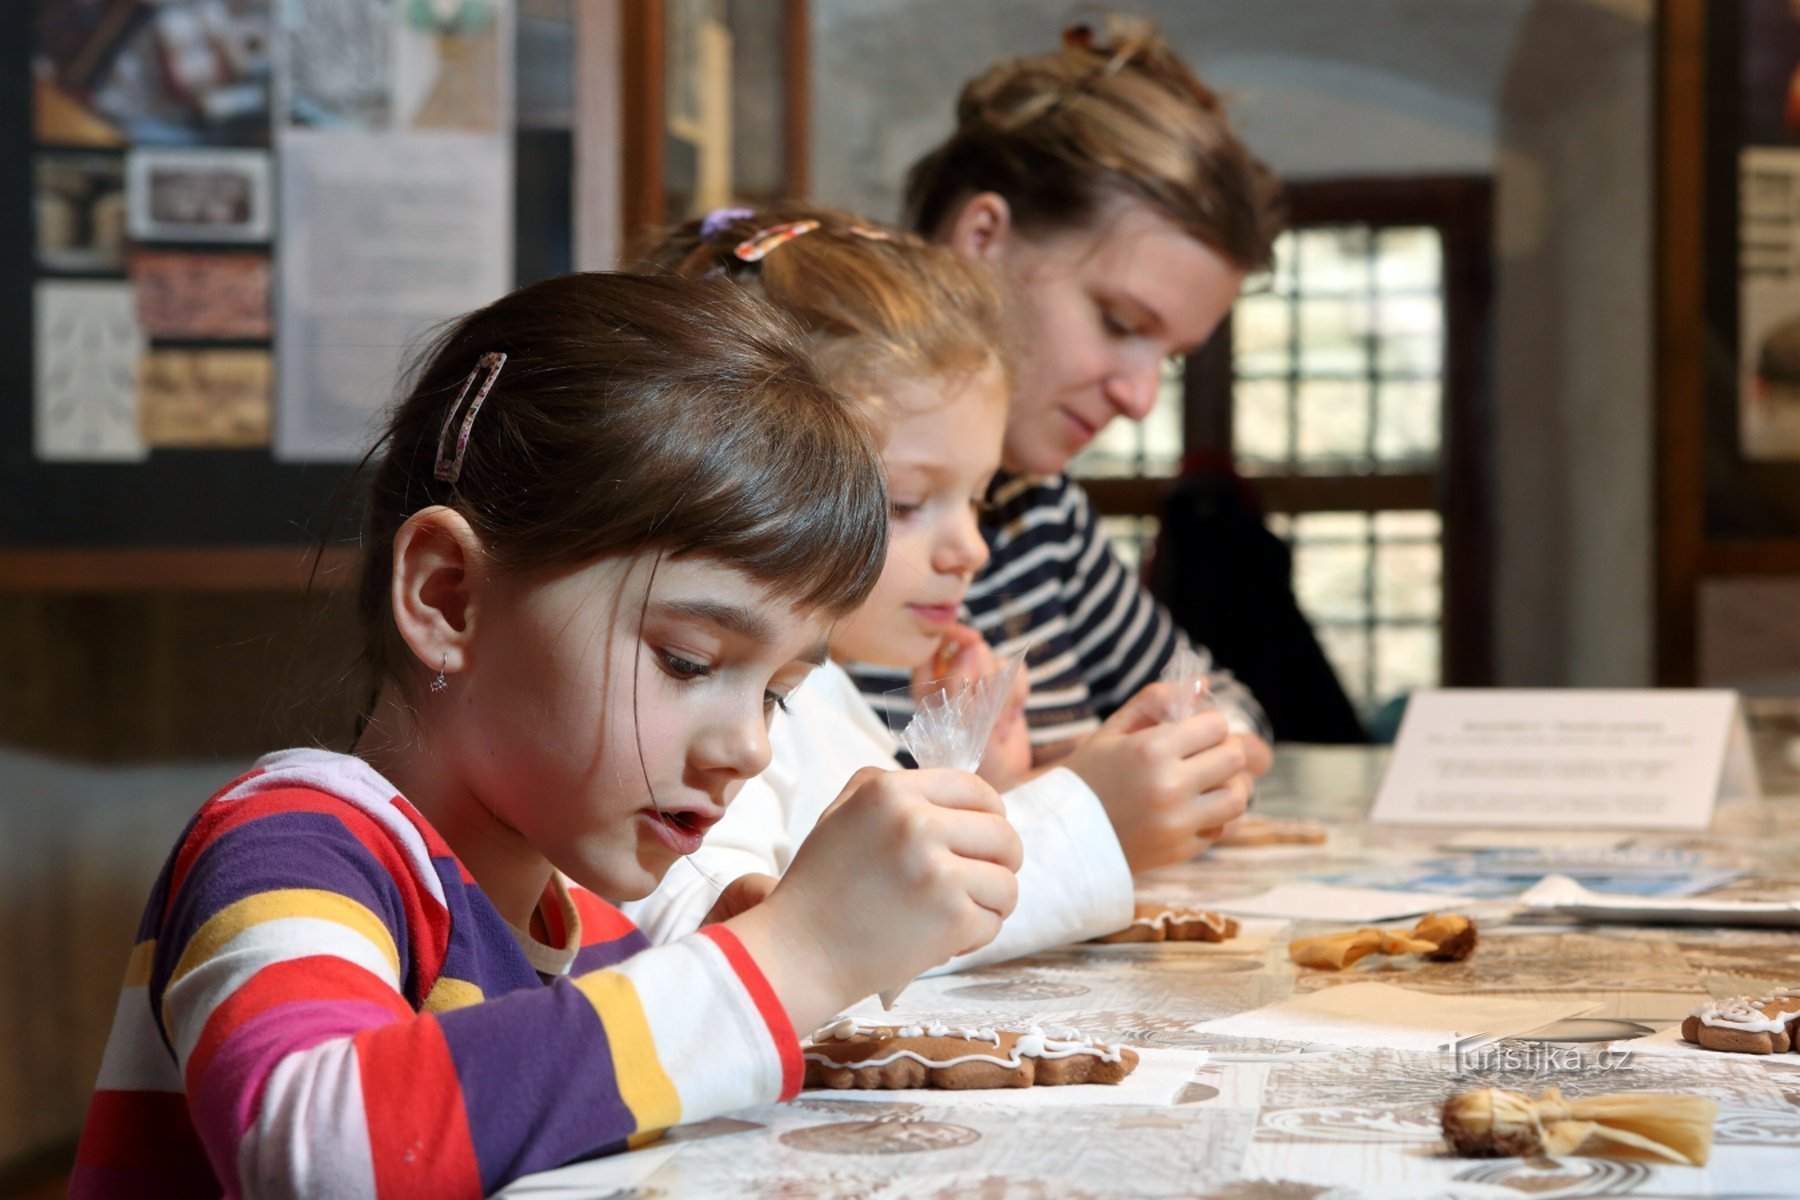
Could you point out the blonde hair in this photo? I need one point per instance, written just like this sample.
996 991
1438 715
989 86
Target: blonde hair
1114 114
877 303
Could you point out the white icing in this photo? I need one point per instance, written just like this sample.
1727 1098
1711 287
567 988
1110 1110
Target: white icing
1033 1043
1741 1013
1171 916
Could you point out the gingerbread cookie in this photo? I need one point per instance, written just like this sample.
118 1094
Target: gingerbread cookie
1252 829
1740 1025
1439 937
851 1054
1167 923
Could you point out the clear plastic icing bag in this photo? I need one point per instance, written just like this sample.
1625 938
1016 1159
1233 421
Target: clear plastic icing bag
954 718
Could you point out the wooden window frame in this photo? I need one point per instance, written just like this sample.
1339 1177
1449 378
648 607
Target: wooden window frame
1460 208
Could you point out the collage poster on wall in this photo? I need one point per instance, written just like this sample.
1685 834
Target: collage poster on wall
394 134
189 154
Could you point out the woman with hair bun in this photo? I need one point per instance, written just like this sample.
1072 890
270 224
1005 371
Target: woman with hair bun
1104 185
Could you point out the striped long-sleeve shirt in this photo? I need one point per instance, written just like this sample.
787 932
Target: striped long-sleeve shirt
321 1001
1053 584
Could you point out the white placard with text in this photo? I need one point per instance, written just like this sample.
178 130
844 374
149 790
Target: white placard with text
1642 759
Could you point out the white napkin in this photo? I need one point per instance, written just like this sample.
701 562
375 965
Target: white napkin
1560 894
1382 1016
1161 1073
612 1175
1668 1044
1331 902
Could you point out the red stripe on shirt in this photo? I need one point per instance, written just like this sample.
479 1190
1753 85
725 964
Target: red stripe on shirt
774 1016
423 911
600 921
318 977
418 1126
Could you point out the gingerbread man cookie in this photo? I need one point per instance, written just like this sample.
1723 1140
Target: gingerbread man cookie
851 1054
1740 1025
1167 923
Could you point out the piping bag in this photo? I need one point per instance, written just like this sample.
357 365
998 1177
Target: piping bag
951 725
1200 686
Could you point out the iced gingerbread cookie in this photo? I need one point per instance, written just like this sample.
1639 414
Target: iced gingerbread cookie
1740 1025
1167 923
852 1054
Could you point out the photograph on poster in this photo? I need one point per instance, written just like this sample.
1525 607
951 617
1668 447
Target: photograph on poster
205 399
190 294
80 205
448 69
87 346
339 61
199 195
179 72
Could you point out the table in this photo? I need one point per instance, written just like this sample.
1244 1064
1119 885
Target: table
1287 1121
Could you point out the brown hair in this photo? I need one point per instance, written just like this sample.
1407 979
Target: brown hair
1113 114
634 414
874 301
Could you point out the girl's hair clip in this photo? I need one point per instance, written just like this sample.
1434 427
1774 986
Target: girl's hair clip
763 242
872 233
719 218
449 470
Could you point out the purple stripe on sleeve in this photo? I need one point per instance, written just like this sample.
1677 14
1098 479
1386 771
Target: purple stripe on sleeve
564 1105
281 850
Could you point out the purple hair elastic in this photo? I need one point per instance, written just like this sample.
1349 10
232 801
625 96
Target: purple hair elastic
450 470
719 218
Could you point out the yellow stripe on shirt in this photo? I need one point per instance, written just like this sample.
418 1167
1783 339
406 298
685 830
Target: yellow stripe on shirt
643 1084
278 905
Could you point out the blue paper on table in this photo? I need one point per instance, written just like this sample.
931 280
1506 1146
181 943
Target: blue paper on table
1506 874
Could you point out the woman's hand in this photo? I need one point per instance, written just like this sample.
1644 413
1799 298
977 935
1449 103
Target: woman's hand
1167 786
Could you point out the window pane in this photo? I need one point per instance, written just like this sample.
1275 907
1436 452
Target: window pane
1408 581
1163 428
1412 335
1280 280
1406 421
1331 526
1406 659
1329 579
1409 260
1333 335
1133 539
1334 258
1347 646
1260 332
1334 420
1260 421
1401 524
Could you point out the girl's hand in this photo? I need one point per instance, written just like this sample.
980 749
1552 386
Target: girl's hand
965 654
740 896
1166 785
905 870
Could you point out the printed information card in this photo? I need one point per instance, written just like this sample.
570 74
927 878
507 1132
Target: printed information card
1643 759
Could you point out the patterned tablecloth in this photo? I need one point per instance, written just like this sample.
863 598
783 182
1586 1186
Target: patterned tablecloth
1288 1121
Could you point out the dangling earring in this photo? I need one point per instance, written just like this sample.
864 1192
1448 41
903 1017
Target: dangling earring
440 683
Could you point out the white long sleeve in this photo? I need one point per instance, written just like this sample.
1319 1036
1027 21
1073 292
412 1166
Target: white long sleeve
1074 884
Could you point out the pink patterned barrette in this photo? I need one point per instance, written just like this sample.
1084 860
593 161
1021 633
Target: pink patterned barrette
763 242
450 469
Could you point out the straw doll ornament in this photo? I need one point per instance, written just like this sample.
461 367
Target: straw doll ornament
1651 1126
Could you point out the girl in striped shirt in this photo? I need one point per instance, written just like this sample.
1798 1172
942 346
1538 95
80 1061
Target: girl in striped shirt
1105 186
610 527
